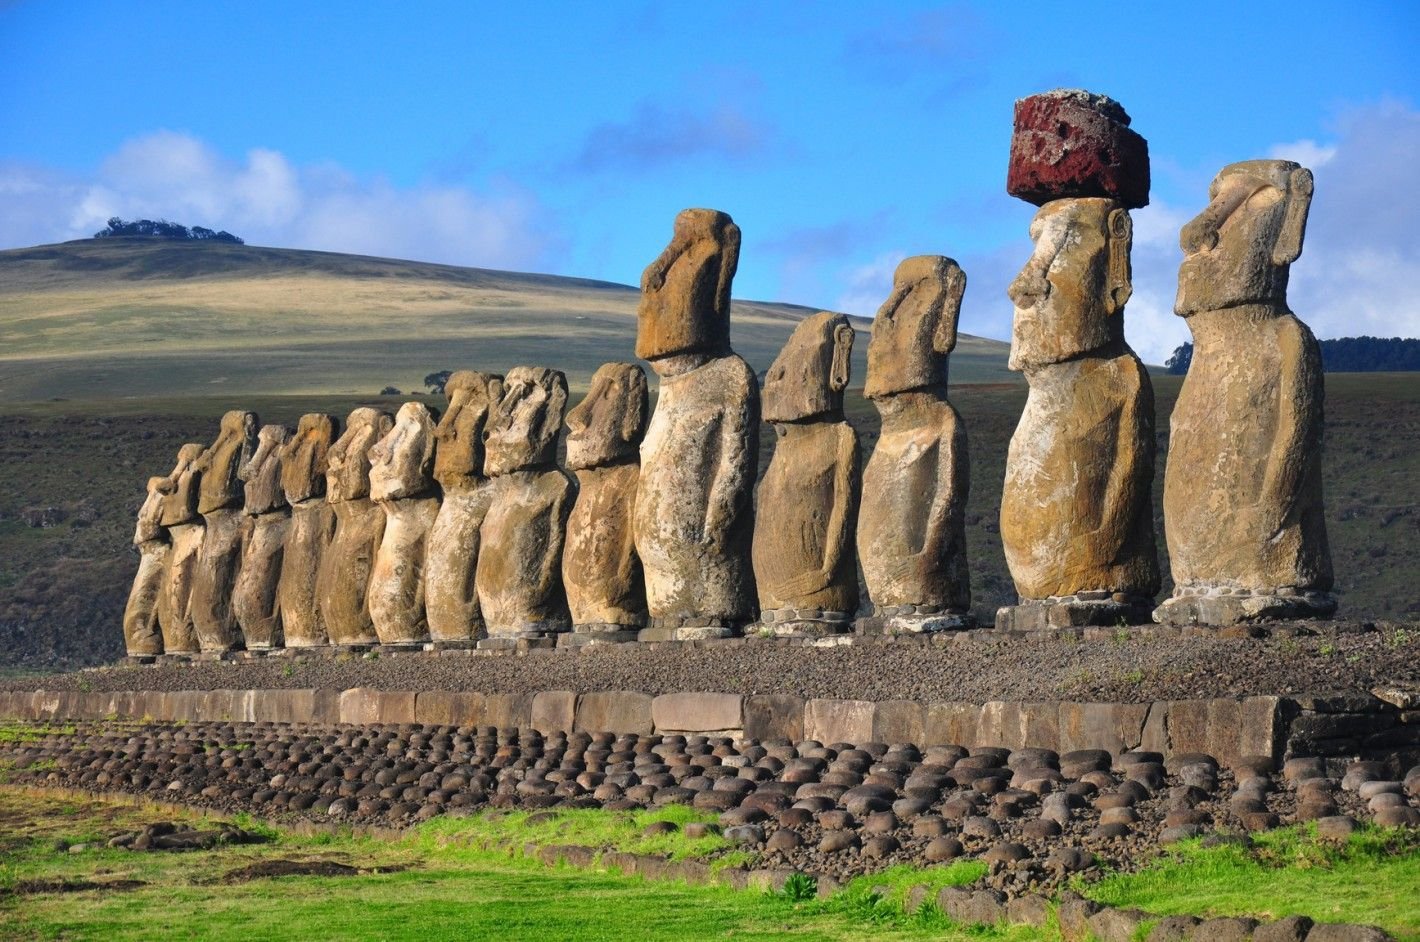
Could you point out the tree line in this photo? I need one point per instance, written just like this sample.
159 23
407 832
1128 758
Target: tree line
163 229
1341 355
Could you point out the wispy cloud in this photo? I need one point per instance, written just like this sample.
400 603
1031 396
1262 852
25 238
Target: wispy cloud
267 199
656 135
950 46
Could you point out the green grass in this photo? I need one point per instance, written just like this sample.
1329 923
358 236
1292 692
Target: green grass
423 888
1374 879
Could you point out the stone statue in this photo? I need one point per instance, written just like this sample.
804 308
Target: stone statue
451 557
804 562
1076 519
303 468
694 520
401 483
519 574
1242 492
254 601
344 577
912 522
179 516
606 590
218 561
141 634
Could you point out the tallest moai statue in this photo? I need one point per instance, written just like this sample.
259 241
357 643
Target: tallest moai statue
1242 496
694 516
1076 521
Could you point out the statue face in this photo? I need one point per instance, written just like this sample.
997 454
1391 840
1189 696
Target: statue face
181 485
1240 248
916 328
303 458
262 471
150 514
220 463
685 292
523 430
1069 293
808 377
347 475
607 426
401 461
458 457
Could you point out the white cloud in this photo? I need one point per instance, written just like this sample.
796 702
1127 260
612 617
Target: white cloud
1308 153
268 200
866 287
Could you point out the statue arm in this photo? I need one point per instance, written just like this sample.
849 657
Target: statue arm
733 472
550 573
1299 410
1120 498
839 534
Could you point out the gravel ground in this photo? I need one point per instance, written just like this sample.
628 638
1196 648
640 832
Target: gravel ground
1345 657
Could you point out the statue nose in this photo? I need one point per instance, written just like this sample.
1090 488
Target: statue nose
1028 288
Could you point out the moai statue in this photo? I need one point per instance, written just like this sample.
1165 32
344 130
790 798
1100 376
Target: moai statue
805 567
1242 491
451 558
401 483
254 601
606 591
694 521
303 470
180 518
219 501
1076 517
519 574
912 522
141 634
344 578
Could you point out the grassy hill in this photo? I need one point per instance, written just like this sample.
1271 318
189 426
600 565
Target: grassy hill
143 317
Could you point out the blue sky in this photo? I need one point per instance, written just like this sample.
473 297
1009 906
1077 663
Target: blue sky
841 136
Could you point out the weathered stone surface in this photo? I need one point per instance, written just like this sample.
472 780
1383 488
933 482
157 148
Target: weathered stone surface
1243 496
219 501
1071 143
254 600
450 707
451 558
303 468
839 720
519 573
141 634
694 515
600 569
803 552
697 712
1116 727
283 706
554 711
774 716
618 711
899 721
911 524
950 724
1075 508
344 576
364 706
401 465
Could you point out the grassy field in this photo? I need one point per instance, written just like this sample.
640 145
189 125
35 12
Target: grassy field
132 317
64 578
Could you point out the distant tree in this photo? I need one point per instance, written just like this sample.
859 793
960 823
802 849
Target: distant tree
162 229
1179 362
436 381
391 391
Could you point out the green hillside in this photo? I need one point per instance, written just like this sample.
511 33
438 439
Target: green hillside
143 317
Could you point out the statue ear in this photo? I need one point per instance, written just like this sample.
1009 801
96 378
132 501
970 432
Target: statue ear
1294 223
1121 237
841 368
633 416
944 338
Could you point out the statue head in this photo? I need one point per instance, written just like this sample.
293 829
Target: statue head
606 427
402 461
261 472
347 474
1240 249
808 377
150 513
220 463
458 458
522 432
1070 296
685 293
916 328
303 457
181 485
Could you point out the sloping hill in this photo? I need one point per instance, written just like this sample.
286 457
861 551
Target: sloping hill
126 317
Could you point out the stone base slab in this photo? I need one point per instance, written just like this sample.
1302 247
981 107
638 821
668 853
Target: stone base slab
578 639
1210 609
528 643
1072 613
877 625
